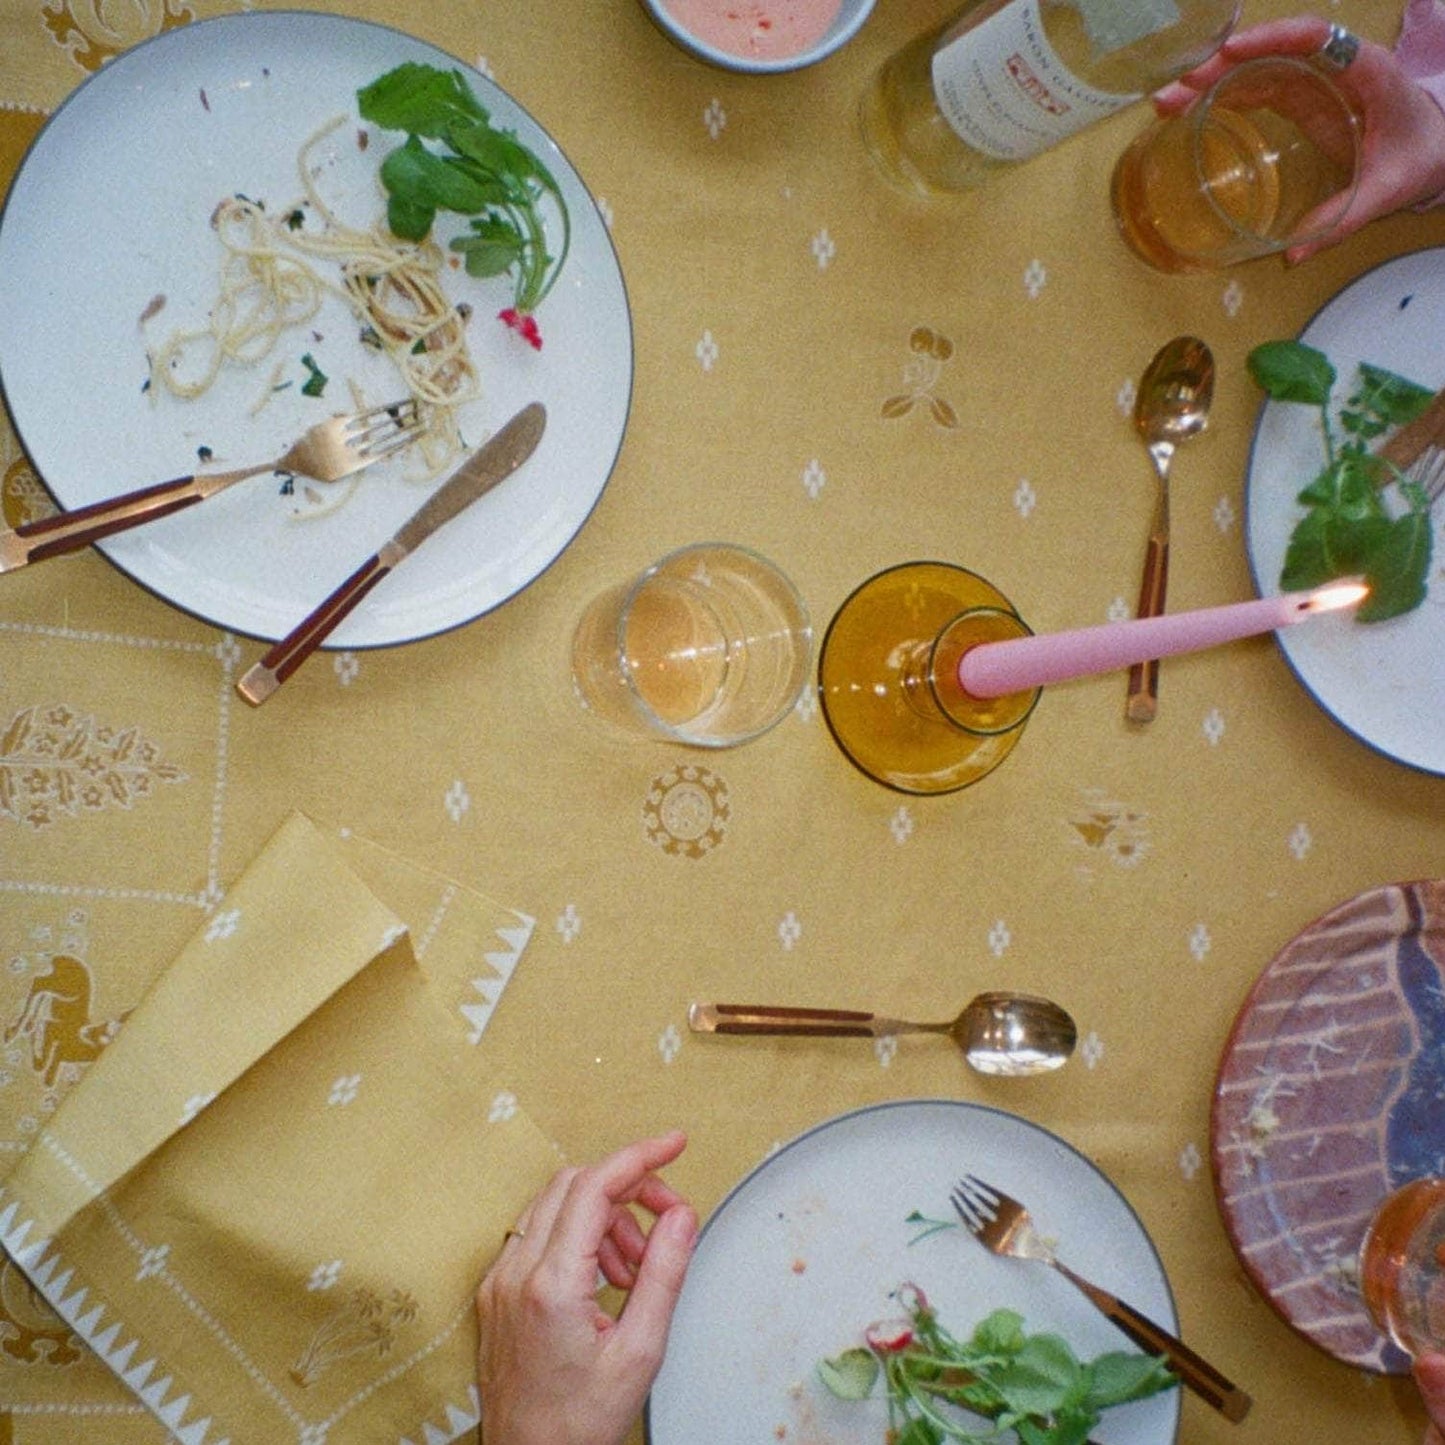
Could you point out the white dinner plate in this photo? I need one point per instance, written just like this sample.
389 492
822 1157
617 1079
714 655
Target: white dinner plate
803 1254
1382 681
111 208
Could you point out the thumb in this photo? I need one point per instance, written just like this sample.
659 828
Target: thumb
1430 1378
647 1315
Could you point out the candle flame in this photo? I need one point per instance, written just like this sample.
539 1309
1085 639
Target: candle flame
1336 596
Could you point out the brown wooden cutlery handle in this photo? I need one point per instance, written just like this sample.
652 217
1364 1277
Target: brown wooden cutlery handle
70 531
1143 698
1193 1369
738 1018
262 679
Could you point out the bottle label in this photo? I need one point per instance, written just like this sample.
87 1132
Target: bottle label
1004 90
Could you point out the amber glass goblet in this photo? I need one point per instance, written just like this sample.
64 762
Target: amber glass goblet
888 678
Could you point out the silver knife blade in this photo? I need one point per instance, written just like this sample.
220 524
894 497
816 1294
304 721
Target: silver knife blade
492 463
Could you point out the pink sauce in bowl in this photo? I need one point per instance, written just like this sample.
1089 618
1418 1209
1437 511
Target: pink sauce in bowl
761 35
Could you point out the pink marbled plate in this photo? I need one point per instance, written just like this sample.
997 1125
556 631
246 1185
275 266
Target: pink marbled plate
1331 1093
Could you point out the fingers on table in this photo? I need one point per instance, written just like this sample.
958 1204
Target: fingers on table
654 1294
579 1219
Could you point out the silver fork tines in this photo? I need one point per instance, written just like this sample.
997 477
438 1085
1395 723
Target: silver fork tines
384 429
996 1221
1428 469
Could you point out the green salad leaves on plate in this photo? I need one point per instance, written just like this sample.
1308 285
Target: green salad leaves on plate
1363 516
454 159
1032 1384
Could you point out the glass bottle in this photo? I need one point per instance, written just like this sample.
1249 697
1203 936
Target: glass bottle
1005 79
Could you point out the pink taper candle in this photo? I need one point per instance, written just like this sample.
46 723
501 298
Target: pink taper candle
994 669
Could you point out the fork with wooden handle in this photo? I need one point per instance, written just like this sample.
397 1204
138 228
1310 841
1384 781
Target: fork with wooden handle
1001 1224
1418 448
327 452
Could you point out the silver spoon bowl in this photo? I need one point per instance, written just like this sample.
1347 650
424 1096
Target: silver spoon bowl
1007 1034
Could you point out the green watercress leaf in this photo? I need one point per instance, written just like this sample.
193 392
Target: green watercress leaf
1395 399
455 161
1042 1377
494 245
421 100
1348 528
1292 371
850 1375
1398 569
1000 1333
316 379
1118 1377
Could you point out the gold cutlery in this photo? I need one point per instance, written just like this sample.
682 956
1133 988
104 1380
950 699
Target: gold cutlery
1004 1226
1418 448
327 452
1175 394
494 462
998 1033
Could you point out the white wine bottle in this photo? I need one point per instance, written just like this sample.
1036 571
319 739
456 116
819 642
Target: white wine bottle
1005 79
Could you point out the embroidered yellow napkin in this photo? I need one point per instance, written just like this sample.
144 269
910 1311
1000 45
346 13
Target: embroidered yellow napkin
268 1203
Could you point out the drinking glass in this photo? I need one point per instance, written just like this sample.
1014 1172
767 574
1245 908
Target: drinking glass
888 678
1268 158
1402 1266
709 646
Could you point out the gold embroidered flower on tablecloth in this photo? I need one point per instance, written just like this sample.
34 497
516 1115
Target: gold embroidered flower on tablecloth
930 353
94 32
22 498
56 763
687 811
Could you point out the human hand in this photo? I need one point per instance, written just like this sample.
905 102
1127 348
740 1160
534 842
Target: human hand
1403 129
553 1366
1430 1377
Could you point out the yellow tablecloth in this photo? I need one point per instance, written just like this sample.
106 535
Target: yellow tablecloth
783 299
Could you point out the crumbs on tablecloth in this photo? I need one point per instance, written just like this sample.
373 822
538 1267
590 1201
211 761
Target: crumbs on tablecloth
153 307
800 1266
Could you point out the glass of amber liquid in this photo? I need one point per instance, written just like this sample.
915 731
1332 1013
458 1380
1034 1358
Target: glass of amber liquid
1268 158
1402 1266
710 646
888 678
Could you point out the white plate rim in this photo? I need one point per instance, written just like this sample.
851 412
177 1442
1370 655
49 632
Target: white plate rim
888 1111
1298 646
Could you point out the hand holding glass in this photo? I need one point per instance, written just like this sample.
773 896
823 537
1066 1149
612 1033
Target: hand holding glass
1268 158
1402 1266
710 646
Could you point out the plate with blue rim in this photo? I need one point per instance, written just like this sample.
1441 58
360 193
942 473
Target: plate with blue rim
1380 681
812 1245
108 218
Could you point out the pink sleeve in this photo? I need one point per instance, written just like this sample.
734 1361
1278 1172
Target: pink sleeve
1421 46
1421 53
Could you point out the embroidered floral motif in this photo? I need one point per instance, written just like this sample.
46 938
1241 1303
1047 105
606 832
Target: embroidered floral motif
687 811
921 375
87 28
365 1324
31 1333
22 498
55 763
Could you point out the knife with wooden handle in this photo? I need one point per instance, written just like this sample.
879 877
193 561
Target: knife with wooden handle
492 464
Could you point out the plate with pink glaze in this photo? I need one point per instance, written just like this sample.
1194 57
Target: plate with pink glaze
1328 1098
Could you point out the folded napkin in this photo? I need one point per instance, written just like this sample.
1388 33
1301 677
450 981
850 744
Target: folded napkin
267 1204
